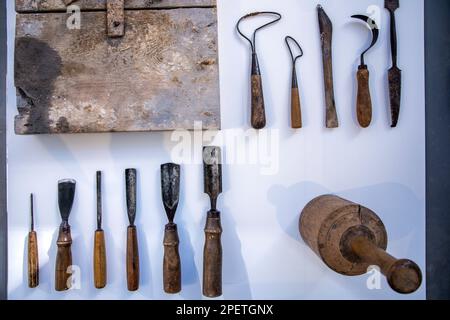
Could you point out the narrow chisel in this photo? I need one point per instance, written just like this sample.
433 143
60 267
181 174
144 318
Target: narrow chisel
33 254
100 273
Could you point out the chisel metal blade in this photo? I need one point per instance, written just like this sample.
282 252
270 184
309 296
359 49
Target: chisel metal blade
170 185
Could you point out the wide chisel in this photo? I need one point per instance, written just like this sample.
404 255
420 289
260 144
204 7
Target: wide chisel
394 73
100 274
66 195
212 257
132 239
170 186
33 255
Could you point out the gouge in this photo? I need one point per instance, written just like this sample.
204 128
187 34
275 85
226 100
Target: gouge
132 240
394 73
258 111
170 186
66 194
326 39
33 253
100 273
212 257
364 100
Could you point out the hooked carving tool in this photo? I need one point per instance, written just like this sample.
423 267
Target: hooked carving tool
170 185
394 73
33 253
258 111
212 257
132 240
100 273
364 101
326 39
296 110
66 195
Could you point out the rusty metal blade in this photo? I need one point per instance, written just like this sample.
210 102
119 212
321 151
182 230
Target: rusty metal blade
170 186
326 37
395 89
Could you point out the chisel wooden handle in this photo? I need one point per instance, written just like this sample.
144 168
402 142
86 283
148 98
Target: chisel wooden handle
100 274
63 259
404 276
258 108
33 260
296 113
212 257
172 264
364 102
132 259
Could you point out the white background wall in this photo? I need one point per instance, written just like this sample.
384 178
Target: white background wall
264 257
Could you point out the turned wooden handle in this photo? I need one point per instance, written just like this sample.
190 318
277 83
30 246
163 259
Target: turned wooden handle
296 111
33 260
172 263
100 274
364 101
404 276
63 259
258 108
212 257
132 259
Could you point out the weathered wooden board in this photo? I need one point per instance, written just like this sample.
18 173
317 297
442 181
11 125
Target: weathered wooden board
58 5
162 75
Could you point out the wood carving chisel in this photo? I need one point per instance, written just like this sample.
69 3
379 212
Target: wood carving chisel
170 186
33 253
66 195
394 73
212 257
326 39
100 273
132 239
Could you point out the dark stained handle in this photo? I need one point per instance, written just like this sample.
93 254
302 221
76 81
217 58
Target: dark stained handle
258 108
132 259
63 259
100 274
172 264
404 276
296 110
33 260
364 101
212 257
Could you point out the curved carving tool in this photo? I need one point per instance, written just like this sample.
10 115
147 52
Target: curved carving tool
170 186
364 101
66 195
394 73
258 117
326 39
132 240
100 274
212 256
33 253
296 109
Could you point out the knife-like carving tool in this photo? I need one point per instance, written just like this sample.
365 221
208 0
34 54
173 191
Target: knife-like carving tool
326 39
394 73
258 113
364 101
132 240
100 274
296 109
170 185
66 195
212 257
33 253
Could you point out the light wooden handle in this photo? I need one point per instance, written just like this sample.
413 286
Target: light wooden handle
364 101
63 259
33 260
212 257
172 263
132 259
100 273
296 111
404 276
